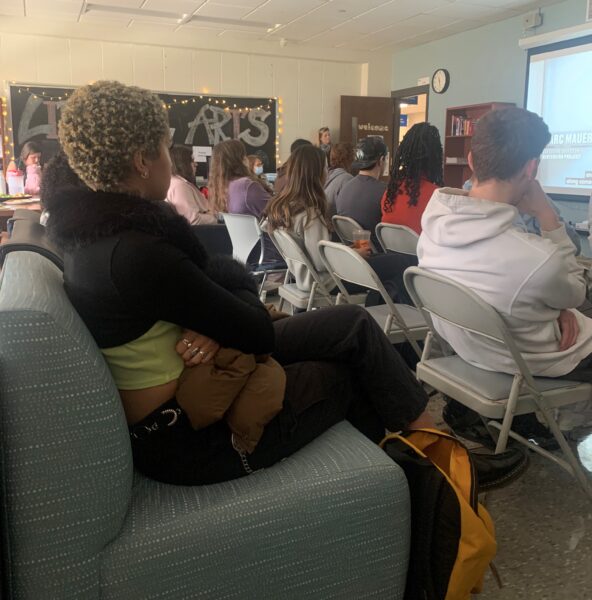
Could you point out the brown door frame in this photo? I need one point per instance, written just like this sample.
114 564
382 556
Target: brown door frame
405 93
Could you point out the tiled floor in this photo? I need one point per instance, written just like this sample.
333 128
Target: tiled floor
544 532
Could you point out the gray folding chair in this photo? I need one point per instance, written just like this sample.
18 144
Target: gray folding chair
245 234
345 227
397 238
400 322
318 295
493 395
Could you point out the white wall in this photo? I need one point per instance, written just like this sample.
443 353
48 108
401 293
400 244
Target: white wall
310 89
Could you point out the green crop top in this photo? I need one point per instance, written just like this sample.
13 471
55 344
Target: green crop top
147 361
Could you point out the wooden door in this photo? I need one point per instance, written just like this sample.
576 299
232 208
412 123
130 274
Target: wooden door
364 116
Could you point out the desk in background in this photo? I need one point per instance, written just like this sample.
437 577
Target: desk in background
7 213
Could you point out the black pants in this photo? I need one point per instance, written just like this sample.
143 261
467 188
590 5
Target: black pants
390 268
339 365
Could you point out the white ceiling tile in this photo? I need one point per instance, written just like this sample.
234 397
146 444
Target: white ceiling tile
167 21
200 25
110 19
464 10
119 3
12 8
284 11
176 6
242 35
155 26
223 11
248 3
518 5
62 10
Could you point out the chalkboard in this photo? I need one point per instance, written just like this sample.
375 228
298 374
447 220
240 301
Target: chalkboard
195 120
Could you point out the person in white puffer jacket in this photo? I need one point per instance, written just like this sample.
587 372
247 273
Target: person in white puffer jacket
534 282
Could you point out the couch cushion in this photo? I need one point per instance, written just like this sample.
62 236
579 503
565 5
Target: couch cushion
65 454
332 521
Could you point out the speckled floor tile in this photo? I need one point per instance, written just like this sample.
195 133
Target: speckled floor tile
544 532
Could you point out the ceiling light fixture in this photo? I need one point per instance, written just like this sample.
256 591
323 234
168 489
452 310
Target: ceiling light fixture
181 19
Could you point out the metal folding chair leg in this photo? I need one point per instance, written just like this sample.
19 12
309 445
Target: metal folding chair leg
502 440
571 465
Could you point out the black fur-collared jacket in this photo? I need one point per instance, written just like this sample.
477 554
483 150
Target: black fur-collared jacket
129 263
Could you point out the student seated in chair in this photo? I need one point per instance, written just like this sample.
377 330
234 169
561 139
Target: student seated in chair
360 198
534 282
301 209
415 176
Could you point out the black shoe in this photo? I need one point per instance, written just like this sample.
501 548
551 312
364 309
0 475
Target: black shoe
498 470
467 424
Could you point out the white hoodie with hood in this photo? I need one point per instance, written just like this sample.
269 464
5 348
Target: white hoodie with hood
525 277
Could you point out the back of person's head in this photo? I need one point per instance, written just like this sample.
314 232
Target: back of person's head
504 142
369 151
303 191
298 143
182 162
342 156
57 177
419 156
115 137
229 162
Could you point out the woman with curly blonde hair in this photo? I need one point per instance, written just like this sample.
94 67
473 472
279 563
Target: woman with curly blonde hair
143 285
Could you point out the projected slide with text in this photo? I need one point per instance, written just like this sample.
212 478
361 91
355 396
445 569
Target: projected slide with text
560 90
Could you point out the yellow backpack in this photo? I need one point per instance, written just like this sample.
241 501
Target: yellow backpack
452 535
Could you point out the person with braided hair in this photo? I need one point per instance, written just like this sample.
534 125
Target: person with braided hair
416 175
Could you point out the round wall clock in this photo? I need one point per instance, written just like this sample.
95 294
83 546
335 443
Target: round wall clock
440 81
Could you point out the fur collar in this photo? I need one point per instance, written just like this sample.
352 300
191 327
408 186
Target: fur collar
82 217
79 218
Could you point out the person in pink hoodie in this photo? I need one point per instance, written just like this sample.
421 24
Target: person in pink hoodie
30 157
183 194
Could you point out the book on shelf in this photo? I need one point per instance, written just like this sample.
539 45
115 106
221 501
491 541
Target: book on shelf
456 160
462 126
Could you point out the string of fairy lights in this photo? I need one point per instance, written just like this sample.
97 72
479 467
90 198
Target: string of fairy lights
36 93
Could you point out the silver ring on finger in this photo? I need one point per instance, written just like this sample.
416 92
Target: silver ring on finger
194 351
203 354
186 342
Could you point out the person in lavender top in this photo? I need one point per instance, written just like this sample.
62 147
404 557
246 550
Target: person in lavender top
234 188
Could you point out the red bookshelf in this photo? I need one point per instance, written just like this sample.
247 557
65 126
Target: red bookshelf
460 123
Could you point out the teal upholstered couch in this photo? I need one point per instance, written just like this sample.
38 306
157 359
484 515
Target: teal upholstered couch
329 522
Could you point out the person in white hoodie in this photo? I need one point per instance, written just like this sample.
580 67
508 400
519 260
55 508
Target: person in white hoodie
534 282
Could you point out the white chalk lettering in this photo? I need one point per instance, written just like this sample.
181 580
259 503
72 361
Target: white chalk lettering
213 124
26 132
256 118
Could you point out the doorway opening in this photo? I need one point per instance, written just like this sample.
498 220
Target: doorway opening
410 108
